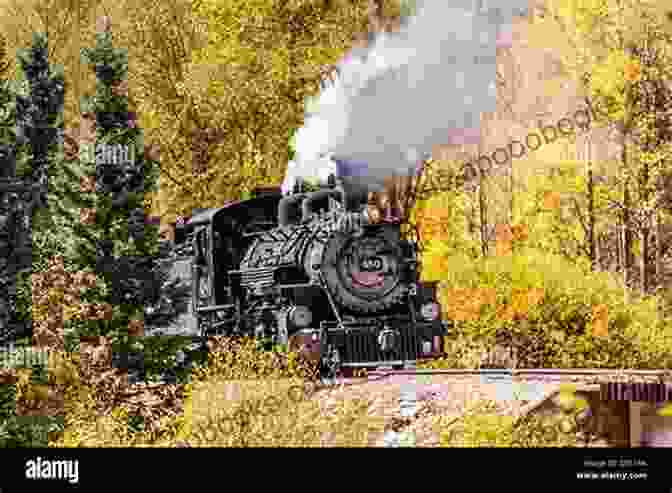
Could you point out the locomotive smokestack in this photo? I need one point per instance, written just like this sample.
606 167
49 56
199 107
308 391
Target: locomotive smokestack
349 177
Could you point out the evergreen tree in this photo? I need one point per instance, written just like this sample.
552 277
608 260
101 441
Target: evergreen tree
96 199
40 114
7 116
7 169
30 125
125 250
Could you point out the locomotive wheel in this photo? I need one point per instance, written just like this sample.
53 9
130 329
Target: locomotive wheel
363 273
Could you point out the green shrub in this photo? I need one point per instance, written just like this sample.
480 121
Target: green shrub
29 431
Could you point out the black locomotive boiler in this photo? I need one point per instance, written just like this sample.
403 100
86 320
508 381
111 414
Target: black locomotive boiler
312 271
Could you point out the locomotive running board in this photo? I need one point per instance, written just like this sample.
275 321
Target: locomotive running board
409 363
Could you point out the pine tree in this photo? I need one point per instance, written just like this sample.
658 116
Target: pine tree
30 124
123 171
40 114
96 199
7 117
7 169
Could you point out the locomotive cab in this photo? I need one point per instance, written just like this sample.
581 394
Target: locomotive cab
221 237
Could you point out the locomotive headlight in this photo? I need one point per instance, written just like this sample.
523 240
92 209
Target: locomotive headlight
430 311
300 316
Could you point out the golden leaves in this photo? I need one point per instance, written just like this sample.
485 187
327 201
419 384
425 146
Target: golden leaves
4 61
520 232
600 320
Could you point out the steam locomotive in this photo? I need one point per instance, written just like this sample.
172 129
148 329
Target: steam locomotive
314 272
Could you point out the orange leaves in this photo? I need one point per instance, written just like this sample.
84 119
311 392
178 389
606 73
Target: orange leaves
506 236
503 232
552 201
600 320
632 71
465 303
462 304
503 240
521 302
434 223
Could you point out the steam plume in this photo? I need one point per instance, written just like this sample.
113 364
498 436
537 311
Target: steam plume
410 90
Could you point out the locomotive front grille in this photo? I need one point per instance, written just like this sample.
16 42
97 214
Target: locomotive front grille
362 346
257 277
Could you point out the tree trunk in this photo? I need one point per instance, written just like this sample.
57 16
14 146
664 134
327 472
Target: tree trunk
626 254
591 212
482 205
643 271
658 226
627 202
626 220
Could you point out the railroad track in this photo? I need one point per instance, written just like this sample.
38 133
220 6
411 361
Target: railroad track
546 375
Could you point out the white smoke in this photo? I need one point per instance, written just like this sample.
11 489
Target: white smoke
409 91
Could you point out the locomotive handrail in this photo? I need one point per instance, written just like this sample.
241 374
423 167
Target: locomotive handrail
214 308
331 300
302 285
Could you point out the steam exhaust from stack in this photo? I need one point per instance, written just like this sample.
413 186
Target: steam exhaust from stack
425 85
